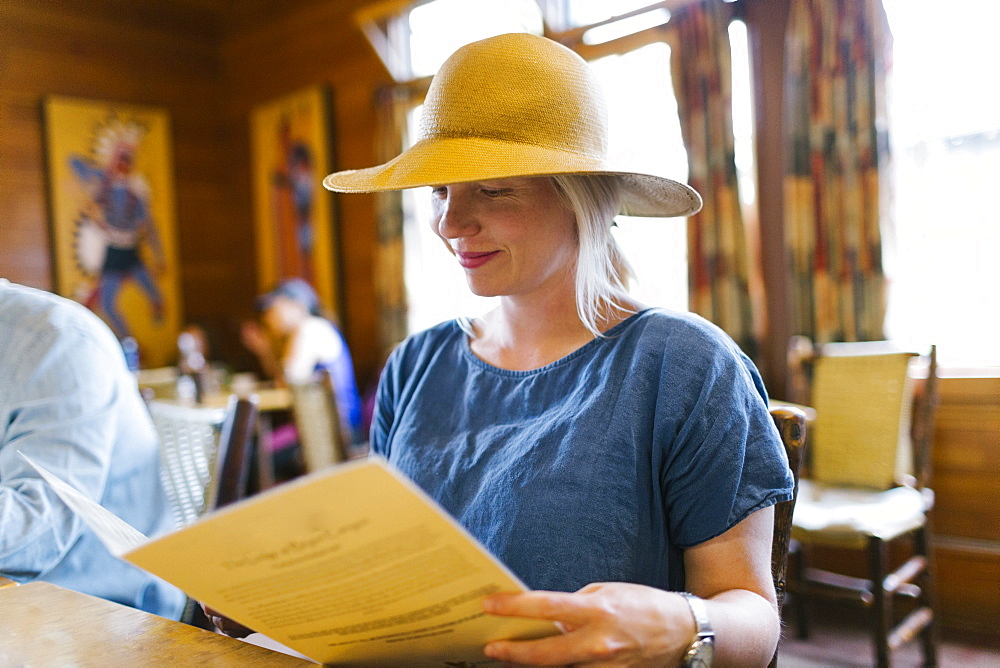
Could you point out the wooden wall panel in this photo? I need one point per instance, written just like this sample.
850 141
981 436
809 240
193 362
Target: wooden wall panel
966 459
966 482
968 588
158 54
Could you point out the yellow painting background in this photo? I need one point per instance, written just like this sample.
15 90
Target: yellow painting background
72 126
305 114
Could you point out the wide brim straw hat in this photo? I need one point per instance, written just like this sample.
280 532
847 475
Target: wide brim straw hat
515 105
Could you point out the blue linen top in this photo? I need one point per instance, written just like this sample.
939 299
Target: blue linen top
600 467
68 401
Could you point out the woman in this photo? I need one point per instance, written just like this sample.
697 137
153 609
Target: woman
294 344
610 454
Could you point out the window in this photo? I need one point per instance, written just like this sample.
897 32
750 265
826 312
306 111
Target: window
943 256
439 28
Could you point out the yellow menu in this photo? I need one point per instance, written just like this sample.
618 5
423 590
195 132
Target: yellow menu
351 565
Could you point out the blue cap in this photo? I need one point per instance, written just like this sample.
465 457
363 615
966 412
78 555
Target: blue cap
293 288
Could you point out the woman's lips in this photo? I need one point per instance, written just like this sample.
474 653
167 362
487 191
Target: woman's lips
473 260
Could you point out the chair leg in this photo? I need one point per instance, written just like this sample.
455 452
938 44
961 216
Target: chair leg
798 604
928 636
881 604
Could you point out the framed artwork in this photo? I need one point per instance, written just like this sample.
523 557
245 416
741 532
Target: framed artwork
295 226
111 202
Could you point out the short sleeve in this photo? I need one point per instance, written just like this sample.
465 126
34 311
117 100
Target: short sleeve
722 457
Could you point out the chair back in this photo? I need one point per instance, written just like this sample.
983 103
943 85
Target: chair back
236 450
321 432
204 454
924 412
863 394
791 424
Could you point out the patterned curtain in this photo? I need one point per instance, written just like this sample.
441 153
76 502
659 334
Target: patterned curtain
393 103
717 250
834 86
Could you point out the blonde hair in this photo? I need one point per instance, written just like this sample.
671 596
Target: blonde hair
602 271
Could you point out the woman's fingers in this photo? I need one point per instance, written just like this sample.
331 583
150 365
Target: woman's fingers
571 609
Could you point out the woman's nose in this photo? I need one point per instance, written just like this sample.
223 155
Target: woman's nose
455 218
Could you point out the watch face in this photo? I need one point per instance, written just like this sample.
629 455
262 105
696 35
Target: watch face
700 654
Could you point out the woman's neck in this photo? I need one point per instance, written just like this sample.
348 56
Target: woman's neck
528 334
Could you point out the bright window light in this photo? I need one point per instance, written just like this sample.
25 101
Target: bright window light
627 26
435 283
644 133
743 119
587 12
439 28
942 258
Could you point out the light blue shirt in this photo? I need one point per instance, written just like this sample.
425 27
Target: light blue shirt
600 467
68 401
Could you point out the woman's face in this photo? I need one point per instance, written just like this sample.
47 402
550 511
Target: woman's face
284 315
513 237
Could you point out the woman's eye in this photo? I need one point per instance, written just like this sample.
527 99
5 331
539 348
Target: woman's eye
493 192
439 191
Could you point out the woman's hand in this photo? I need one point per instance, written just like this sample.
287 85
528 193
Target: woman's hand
224 625
605 624
255 338
618 624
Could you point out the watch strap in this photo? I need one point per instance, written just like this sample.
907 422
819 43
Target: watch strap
701 649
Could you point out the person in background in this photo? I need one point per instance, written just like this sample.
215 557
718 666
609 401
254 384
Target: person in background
293 344
620 459
69 402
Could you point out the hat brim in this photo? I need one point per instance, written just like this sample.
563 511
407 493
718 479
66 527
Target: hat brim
443 161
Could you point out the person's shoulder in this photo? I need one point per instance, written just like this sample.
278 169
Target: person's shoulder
55 341
37 313
683 337
317 326
680 328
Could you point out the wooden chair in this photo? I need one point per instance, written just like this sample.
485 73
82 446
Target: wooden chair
866 486
205 457
791 424
204 454
236 451
322 435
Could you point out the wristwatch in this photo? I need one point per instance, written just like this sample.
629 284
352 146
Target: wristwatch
699 652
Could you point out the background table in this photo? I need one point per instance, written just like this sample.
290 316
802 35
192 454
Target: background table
45 625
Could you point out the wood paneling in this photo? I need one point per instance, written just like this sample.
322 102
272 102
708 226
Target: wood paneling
966 459
208 65
966 482
968 587
159 54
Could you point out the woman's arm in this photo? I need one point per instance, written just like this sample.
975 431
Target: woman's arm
620 624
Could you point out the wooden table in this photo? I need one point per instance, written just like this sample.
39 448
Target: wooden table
45 625
269 399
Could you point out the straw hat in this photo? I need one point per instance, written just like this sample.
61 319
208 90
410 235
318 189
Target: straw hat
515 105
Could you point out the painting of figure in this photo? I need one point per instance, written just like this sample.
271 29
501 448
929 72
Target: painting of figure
294 213
111 195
